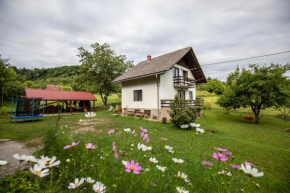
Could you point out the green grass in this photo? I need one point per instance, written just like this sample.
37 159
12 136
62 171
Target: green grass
265 144
113 99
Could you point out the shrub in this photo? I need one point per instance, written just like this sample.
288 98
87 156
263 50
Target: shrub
181 113
20 182
207 106
164 119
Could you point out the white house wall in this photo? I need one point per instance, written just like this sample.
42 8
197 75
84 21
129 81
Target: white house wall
148 85
167 89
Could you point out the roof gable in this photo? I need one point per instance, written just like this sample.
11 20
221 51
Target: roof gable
158 65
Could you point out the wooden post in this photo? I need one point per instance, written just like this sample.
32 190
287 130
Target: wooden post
94 106
46 107
84 106
70 107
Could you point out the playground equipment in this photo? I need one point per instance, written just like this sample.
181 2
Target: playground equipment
27 108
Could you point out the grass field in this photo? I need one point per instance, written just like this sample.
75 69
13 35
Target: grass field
265 144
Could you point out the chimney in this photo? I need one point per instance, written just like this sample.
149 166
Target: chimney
148 57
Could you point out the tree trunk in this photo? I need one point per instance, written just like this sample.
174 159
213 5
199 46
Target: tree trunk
256 111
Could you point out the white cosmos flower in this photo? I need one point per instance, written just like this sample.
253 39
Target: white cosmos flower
199 130
153 160
181 190
90 114
179 161
76 184
149 148
147 170
99 187
80 120
251 171
142 147
3 162
183 176
37 170
90 180
124 162
31 159
127 130
47 162
168 147
162 169
20 158
184 126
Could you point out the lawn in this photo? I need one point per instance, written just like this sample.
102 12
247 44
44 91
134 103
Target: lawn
265 144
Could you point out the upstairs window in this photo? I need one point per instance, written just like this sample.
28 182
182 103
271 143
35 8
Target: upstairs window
137 95
175 72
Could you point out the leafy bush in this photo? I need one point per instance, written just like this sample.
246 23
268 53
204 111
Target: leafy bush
181 113
207 106
204 93
20 182
164 119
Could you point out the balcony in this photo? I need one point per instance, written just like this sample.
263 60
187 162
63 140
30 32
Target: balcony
181 82
198 103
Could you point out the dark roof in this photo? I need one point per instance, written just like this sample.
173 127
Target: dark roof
162 64
54 95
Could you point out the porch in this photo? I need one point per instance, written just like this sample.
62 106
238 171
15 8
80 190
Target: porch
198 103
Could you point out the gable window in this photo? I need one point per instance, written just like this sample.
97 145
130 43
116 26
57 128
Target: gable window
175 72
137 95
185 74
190 95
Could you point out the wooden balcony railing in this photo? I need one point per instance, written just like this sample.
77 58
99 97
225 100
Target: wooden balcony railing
198 103
184 82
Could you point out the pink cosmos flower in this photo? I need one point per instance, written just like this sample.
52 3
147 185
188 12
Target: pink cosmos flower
134 133
220 149
111 131
237 167
219 156
143 130
73 144
133 167
90 146
227 153
153 184
206 163
142 134
249 163
115 151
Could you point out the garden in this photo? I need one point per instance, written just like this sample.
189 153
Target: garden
112 153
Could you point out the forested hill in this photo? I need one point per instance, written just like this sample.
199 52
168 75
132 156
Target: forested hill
69 76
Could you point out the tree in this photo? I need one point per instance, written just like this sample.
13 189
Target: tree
259 87
103 65
7 75
213 86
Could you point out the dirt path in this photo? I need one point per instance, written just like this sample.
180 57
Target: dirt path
7 149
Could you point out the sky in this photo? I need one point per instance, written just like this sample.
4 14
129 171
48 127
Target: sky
43 34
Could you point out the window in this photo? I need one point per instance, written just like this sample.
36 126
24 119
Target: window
185 74
137 95
190 95
181 94
175 72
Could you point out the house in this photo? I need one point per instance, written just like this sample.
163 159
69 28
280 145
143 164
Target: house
151 85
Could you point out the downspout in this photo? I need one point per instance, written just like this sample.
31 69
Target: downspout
158 109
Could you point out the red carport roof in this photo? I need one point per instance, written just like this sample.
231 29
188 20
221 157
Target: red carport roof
53 95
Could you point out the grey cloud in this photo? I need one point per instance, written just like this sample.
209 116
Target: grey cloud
48 33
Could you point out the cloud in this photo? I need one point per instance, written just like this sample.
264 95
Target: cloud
48 33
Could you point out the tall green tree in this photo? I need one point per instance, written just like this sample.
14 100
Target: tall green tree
7 75
103 65
258 87
213 86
